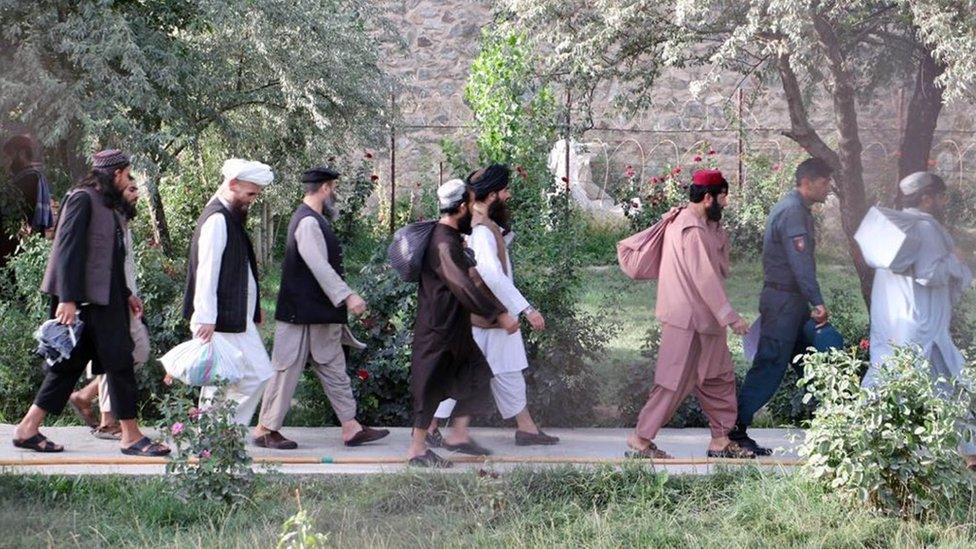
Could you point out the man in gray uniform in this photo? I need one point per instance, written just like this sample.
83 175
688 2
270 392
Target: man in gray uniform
789 291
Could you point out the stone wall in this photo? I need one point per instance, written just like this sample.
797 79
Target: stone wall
442 38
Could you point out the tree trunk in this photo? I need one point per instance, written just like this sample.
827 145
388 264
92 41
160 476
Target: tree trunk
922 117
156 211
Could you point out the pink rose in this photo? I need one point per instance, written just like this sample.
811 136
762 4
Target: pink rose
864 344
362 374
176 428
205 454
698 159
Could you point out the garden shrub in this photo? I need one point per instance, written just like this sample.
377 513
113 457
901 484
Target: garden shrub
210 459
894 446
751 203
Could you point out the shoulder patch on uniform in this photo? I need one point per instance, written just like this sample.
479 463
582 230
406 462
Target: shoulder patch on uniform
800 243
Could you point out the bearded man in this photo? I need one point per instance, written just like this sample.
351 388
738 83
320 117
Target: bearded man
505 352
912 299
313 306
445 361
222 296
694 312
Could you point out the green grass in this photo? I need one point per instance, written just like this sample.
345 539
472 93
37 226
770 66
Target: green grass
564 507
632 304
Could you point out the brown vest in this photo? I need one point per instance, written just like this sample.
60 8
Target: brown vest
101 247
480 217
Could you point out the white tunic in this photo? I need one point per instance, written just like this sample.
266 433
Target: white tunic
213 241
504 352
914 305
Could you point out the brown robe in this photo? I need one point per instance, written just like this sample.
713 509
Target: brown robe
446 362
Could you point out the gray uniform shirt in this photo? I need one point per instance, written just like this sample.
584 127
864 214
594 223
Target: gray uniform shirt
789 248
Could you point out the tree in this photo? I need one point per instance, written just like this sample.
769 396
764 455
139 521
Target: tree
267 77
848 51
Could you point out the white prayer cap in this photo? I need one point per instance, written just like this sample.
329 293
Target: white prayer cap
450 194
919 181
251 171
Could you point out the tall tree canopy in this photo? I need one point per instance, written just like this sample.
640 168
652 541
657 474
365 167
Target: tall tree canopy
268 76
848 51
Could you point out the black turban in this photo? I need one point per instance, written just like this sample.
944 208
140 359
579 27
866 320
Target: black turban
319 174
488 180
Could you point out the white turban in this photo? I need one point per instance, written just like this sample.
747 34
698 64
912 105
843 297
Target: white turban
919 181
251 171
450 194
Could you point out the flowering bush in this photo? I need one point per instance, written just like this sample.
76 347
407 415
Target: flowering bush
210 460
893 446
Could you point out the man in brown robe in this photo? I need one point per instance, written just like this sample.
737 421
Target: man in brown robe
446 362
694 311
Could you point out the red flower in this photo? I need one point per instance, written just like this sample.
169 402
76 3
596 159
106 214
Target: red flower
374 177
676 170
655 180
629 171
362 374
776 167
565 179
698 159
711 152
864 344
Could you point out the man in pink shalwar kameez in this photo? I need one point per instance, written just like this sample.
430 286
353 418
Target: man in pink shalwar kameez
694 312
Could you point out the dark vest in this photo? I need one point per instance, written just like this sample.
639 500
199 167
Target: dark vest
301 299
238 258
99 254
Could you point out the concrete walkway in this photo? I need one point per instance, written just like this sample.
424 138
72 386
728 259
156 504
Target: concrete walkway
321 451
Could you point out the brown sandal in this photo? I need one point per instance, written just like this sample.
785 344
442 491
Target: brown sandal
651 452
107 432
38 443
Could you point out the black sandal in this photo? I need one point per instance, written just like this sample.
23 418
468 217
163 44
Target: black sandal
430 460
38 443
146 447
470 447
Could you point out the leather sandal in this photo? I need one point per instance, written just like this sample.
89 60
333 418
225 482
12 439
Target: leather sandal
365 435
430 460
651 452
275 441
470 448
146 447
107 432
38 443
732 451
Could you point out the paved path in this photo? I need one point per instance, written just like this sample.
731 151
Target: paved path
321 451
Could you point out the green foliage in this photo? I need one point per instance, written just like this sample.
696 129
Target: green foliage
298 532
210 459
892 447
745 221
516 117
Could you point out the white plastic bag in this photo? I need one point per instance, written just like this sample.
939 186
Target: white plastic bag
197 363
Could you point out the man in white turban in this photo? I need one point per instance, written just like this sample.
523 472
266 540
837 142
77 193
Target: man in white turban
222 295
913 296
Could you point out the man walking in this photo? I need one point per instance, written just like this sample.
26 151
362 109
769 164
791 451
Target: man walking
86 278
446 362
222 296
313 305
790 289
695 313
505 353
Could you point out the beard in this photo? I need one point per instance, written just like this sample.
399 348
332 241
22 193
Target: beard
714 212
464 224
329 208
128 209
500 214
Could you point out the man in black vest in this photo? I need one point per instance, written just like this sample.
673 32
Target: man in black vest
86 280
312 311
222 296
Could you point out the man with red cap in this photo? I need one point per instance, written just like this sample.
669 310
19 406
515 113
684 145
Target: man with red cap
695 313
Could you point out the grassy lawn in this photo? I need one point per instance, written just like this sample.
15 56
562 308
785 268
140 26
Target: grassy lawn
565 507
634 301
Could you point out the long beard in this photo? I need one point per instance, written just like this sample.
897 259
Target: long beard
329 209
500 214
714 212
128 209
464 224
